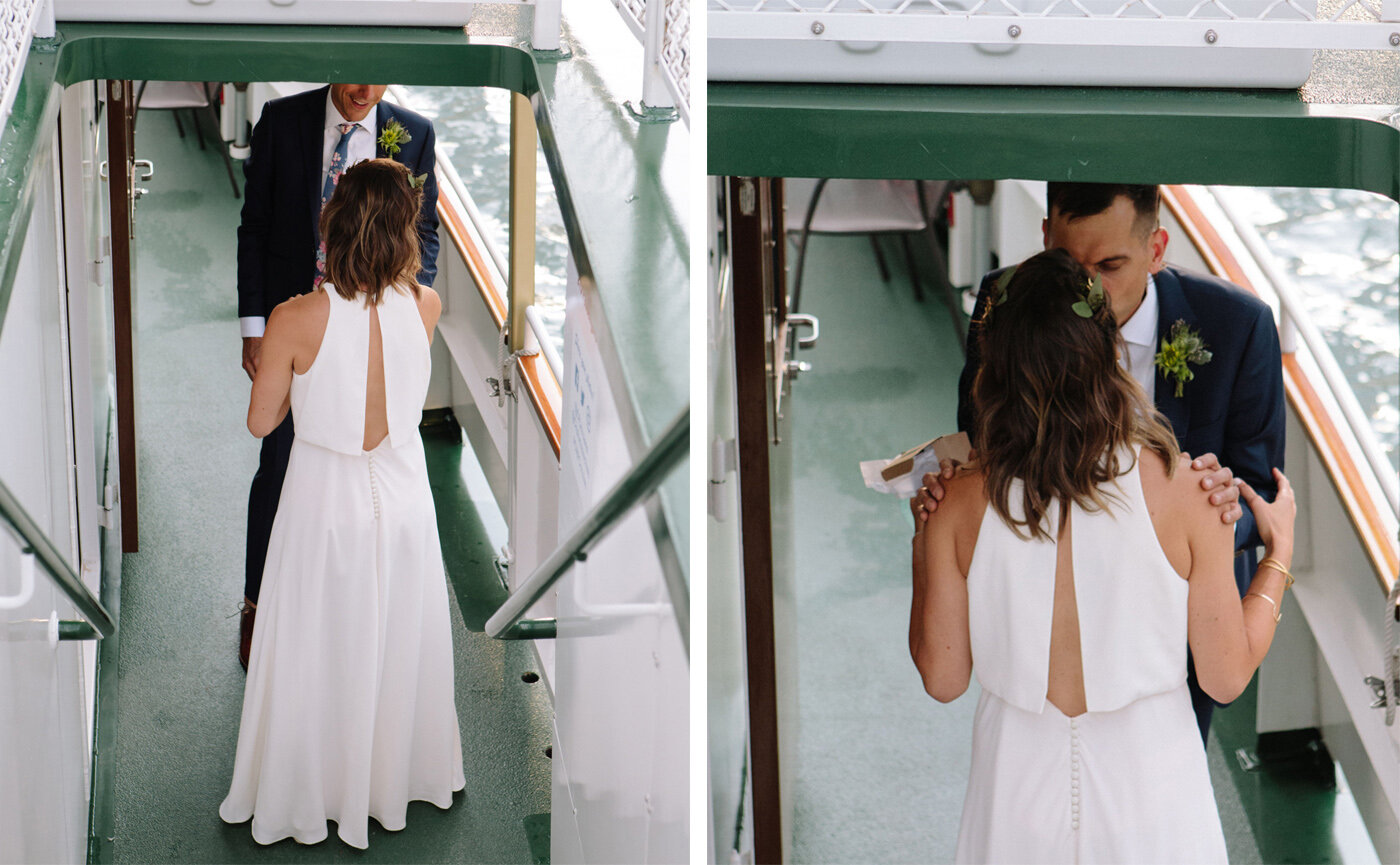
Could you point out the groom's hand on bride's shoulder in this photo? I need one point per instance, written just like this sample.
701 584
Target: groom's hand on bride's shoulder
926 500
1219 482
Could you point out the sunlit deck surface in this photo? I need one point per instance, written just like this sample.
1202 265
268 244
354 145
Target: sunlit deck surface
178 683
883 767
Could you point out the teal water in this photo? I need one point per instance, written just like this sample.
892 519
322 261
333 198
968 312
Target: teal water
1342 249
473 126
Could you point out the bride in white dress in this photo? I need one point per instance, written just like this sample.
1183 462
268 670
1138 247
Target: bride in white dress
349 709
1069 568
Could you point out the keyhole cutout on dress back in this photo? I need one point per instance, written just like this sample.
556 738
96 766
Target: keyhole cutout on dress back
376 411
1066 681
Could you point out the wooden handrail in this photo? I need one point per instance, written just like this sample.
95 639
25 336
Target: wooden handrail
539 385
1307 403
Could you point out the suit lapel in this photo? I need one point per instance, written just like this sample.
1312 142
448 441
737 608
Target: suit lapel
313 137
1171 307
382 118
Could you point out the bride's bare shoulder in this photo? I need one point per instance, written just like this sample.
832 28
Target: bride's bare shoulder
1162 488
302 311
965 496
429 308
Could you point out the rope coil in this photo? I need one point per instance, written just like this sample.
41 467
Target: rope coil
500 387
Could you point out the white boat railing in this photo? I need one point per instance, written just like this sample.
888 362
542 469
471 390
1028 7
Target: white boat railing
1004 24
1295 323
663 28
20 22
449 179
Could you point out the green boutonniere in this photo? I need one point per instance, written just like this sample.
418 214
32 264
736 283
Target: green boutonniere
1183 345
392 136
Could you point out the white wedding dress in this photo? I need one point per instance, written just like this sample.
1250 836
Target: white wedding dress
1127 780
349 709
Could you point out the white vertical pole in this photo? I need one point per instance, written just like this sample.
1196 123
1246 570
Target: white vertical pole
1390 10
545 35
655 93
44 26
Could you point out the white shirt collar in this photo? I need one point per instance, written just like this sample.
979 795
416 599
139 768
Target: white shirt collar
334 118
1141 327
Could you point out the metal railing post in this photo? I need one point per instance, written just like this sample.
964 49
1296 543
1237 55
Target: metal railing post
640 482
522 217
38 545
1287 330
44 25
655 93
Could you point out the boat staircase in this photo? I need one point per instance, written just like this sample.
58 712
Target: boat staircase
123 486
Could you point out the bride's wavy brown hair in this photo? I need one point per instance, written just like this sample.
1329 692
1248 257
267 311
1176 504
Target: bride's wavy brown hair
370 228
1053 406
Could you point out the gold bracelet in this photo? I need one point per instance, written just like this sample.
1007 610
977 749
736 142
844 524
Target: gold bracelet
1271 562
1278 614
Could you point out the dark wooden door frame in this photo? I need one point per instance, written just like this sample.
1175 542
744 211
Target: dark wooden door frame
750 236
121 113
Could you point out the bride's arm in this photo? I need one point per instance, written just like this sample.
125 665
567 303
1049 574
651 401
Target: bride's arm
1229 636
272 386
938 630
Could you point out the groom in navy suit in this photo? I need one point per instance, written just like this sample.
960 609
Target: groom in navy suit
1229 415
297 142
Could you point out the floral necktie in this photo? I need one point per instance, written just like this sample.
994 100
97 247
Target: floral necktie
337 168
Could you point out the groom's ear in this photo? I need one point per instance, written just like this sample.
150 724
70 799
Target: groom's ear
1045 233
1158 244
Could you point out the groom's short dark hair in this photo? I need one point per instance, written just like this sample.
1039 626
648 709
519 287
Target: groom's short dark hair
1077 200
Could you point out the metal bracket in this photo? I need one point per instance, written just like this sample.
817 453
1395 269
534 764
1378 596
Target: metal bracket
1377 685
26 582
503 562
46 44
108 503
724 458
796 320
652 114
551 55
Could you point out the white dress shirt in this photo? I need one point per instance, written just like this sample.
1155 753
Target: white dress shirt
1140 334
361 147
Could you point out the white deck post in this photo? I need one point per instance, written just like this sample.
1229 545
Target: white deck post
655 93
545 35
44 26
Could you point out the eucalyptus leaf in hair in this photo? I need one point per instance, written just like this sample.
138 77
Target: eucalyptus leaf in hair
1092 301
998 294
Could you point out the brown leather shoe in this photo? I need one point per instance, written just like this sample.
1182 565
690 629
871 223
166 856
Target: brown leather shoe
245 632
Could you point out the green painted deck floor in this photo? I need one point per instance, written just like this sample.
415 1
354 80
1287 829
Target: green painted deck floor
883 767
179 685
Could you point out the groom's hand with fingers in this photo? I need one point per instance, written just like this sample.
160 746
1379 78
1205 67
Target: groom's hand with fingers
1220 483
252 353
926 500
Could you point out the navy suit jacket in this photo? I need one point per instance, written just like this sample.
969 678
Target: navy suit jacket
1234 405
279 232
